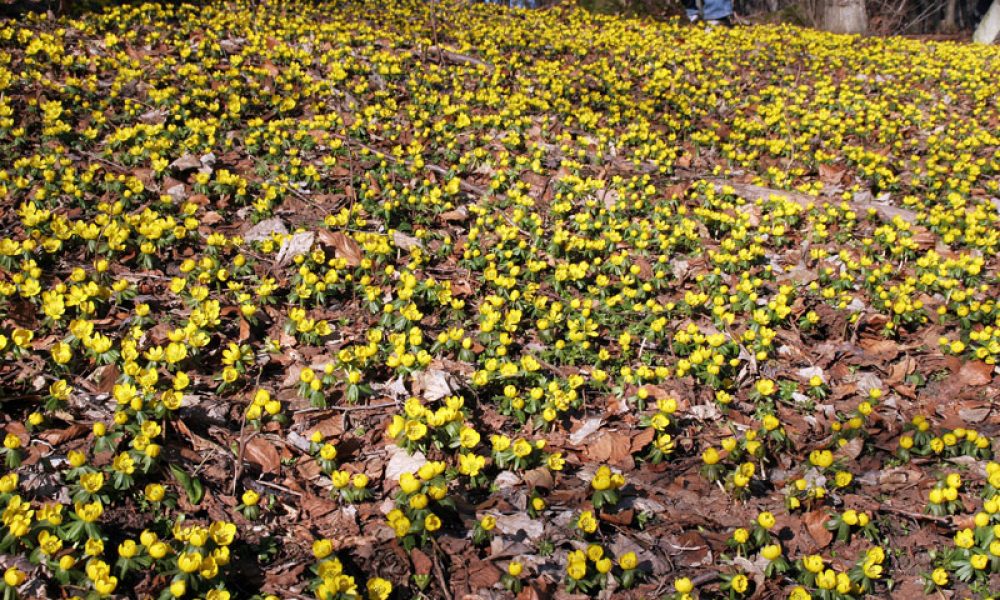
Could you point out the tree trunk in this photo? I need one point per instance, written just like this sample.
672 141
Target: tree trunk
989 27
846 16
949 22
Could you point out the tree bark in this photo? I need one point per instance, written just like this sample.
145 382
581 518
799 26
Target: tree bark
949 23
989 27
846 16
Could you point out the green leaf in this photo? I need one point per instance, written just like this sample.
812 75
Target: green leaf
192 485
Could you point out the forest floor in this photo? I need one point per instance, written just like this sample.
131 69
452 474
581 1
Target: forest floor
452 301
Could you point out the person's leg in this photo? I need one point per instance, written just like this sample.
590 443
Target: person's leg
691 9
717 10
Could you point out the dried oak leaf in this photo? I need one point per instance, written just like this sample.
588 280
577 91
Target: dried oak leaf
816 526
263 453
421 562
975 372
343 246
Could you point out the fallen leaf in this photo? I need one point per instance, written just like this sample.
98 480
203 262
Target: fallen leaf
588 427
343 246
540 477
830 173
455 216
975 415
422 564
816 526
261 452
60 436
518 523
400 462
406 242
186 163
293 246
433 384
264 230
483 574
975 372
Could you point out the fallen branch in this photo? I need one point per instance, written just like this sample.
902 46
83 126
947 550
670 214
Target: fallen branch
756 192
913 515
458 58
439 570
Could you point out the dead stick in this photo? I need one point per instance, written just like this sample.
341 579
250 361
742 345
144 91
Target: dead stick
439 572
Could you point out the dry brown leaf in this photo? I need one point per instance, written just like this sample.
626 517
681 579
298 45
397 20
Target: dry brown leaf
816 526
343 246
422 564
539 478
263 453
612 447
60 436
483 574
975 372
831 174
642 439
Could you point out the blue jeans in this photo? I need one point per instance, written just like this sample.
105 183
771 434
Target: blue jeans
714 9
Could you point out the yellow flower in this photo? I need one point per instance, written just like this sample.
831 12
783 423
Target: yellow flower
432 522
771 551
8 483
683 585
250 498
401 526
555 461
586 522
765 520
11 442
128 549
740 583
514 569
415 430
158 550
765 387
22 337
771 422
106 585
89 513
92 482
603 565
378 588
522 448
61 353
628 561
189 562
408 483
469 437
799 593
93 547
322 548
500 443
14 577
155 492
576 570
965 538
740 535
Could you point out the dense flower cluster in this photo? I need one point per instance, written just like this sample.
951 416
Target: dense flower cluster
471 234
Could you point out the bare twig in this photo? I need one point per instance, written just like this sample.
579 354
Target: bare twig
346 408
914 515
438 571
